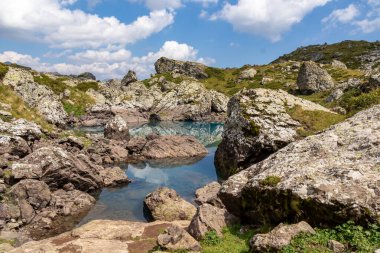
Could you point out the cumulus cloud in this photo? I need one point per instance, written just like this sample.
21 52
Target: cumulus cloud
172 4
344 16
266 18
110 63
50 22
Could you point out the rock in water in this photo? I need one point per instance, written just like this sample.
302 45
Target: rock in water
117 129
129 78
257 125
328 178
312 78
176 238
191 69
279 237
165 204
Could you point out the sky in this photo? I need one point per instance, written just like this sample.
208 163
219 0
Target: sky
110 37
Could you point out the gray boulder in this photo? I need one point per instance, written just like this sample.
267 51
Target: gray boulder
338 64
247 74
312 78
329 173
209 194
191 69
258 124
21 128
130 77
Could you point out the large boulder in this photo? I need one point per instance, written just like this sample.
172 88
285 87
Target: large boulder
36 96
173 146
258 124
191 69
247 74
338 64
328 178
279 237
312 78
57 167
117 129
130 77
166 205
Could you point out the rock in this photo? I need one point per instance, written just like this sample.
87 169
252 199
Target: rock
66 93
176 238
218 102
374 81
279 237
36 96
335 95
191 69
258 124
329 173
5 114
312 78
336 247
208 218
113 177
166 205
87 75
73 142
266 80
209 194
129 78
57 167
21 128
117 129
339 109
338 64
247 74
136 145
103 236
5 247
173 146
15 146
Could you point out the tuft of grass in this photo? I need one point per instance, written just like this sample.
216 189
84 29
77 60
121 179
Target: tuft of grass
84 86
313 121
355 238
56 85
271 181
232 241
3 70
355 100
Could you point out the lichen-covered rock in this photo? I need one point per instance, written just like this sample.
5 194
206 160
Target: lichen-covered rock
176 238
328 178
166 205
248 74
312 78
338 64
210 218
258 124
117 129
57 167
279 237
36 96
209 194
15 146
21 128
191 69
130 77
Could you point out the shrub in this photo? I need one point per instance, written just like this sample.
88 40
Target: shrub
56 85
3 70
355 100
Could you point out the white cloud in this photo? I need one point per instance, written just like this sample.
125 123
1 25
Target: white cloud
110 63
342 15
172 4
266 18
368 25
68 2
48 21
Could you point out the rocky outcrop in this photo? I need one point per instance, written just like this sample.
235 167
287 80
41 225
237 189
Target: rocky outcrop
210 218
328 178
103 236
130 77
117 129
36 96
15 146
374 81
312 78
258 124
87 76
166 205
279 237
21 128
247 74
191 69
176 238
338 64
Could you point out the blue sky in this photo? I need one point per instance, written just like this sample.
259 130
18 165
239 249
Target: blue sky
109 37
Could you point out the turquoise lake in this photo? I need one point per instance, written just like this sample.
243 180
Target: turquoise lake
184 176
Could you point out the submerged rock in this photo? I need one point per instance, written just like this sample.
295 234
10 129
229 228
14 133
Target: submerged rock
328 178
312 78
191 69
166 205
258 124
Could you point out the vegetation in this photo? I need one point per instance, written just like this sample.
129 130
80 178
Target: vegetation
313 121
11 242
3 70
85 86
355 100
270 181
56 85
233 241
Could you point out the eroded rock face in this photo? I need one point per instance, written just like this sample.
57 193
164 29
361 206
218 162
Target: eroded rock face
208 218
258 124
166 205
15 146
176 238
312 78
328 178
57 167
117 129
279 237
36 96
130 77
191 69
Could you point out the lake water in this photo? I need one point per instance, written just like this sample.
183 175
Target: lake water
126 203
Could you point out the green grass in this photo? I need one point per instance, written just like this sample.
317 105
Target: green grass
11 242
355 100
232 241
313 121
85 86
3 70
270 181
355 238
56 85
